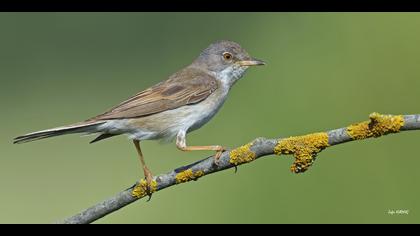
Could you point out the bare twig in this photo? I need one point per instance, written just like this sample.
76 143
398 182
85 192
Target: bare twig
304 149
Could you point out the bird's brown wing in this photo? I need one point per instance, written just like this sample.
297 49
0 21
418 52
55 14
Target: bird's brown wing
183 88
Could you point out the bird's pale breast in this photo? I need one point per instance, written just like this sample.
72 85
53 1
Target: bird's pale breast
165 125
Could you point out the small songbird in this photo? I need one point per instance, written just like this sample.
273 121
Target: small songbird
170 109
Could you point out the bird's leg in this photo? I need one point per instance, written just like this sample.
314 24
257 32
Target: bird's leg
181 143
147 173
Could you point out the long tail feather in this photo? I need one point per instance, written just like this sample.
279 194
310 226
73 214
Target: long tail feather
75 128
102 136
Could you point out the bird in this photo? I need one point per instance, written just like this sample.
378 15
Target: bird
171 109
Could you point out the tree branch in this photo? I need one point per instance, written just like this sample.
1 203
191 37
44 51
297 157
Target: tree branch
304 148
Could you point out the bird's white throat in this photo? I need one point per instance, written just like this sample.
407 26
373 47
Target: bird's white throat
231 74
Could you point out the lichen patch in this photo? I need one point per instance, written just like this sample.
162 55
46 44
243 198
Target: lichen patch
304 149
188 175
242 155
377 126
140 190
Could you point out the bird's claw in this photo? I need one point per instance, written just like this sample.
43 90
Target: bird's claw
150 197
149 178
218 155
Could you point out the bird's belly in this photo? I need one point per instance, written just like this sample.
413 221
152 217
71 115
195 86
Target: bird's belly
166 125
200 114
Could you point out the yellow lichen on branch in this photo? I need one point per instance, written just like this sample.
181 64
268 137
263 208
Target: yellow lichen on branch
140 190
377 126
242 154
188 175
304 148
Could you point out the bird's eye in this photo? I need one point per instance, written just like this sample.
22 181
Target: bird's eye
227 56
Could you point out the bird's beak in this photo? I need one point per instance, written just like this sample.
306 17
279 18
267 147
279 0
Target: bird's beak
252 62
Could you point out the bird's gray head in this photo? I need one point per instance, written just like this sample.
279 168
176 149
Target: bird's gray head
227 59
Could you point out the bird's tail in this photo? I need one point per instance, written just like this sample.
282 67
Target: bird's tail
83 127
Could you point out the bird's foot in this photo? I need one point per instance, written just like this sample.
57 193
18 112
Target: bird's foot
218 154
149 179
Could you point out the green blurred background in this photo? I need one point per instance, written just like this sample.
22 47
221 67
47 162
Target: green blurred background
325 71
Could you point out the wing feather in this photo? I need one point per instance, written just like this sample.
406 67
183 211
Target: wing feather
186 87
